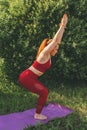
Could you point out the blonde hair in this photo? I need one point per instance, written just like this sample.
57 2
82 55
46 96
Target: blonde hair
42 46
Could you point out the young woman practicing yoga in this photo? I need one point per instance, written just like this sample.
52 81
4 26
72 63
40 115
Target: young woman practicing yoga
29 77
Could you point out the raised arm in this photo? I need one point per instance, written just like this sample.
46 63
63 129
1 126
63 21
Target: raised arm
58 36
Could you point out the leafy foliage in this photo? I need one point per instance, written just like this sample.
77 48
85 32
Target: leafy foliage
24 24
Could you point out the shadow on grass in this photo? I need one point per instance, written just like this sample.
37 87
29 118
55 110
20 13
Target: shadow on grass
16 101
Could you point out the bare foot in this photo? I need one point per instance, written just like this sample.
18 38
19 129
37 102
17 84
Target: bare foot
40 117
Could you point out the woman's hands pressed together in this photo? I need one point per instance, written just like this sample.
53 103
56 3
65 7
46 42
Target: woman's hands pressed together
64 21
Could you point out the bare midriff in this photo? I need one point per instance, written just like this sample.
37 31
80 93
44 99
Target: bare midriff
35 71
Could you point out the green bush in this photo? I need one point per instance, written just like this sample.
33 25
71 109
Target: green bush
24 24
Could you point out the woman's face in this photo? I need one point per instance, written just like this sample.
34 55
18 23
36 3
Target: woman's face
54 51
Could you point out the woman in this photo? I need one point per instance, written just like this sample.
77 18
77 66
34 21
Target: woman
29 77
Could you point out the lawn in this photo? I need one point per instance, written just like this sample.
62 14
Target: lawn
14 98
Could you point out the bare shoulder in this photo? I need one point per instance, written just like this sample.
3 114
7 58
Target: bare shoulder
43 57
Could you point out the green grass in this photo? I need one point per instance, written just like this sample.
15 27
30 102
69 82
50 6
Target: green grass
14 98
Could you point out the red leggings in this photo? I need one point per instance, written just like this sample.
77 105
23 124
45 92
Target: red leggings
29 80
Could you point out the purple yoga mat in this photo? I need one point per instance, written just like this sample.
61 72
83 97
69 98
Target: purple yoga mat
21 120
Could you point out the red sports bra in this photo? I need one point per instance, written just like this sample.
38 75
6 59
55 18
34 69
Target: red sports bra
41 67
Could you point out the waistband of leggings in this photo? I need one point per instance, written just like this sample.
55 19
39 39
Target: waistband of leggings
32 74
